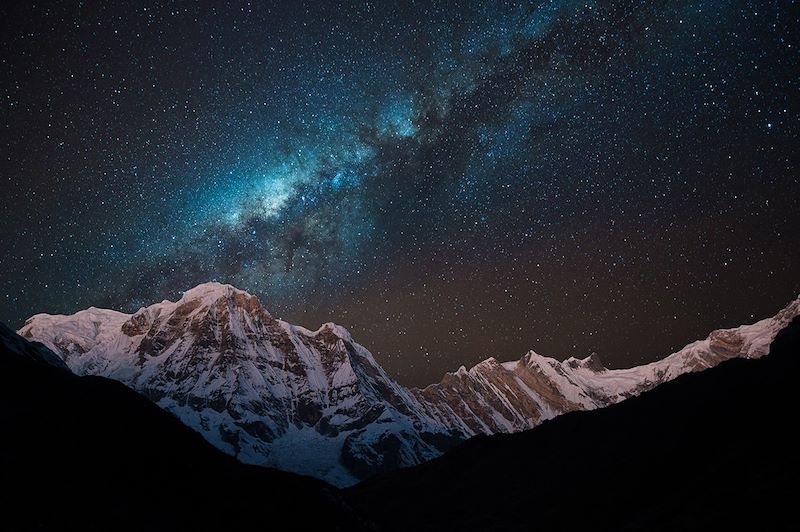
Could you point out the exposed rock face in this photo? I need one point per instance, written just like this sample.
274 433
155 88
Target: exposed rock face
259 388
712 448
512 396
317 402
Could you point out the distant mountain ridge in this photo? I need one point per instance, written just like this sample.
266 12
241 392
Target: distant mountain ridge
493 397
710 450
317 402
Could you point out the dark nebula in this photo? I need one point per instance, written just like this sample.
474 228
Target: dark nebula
449 180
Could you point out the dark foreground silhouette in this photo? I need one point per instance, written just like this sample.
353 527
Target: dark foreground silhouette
87 453
709 451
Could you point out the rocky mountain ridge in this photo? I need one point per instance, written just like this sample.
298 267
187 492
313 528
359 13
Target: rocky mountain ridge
494 397
316 402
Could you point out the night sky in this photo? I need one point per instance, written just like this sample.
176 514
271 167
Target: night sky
449 180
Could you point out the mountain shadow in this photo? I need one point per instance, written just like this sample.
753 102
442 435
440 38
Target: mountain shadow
88 453
713 450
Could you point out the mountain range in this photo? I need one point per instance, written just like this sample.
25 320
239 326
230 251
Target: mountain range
90 454
710 450
317 403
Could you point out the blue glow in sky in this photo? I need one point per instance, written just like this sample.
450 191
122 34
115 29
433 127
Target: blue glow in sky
449 179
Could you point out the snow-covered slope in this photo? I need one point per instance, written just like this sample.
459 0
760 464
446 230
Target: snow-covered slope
268 392
316 402
13 345
492 397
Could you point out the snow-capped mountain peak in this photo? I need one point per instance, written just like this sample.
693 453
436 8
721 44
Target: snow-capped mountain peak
262 389
208 293
336 330
317 402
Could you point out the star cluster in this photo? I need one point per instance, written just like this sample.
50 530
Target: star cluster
449 180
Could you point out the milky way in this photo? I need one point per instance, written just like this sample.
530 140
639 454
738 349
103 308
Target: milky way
449 180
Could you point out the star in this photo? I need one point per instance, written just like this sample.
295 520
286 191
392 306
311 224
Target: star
451 180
